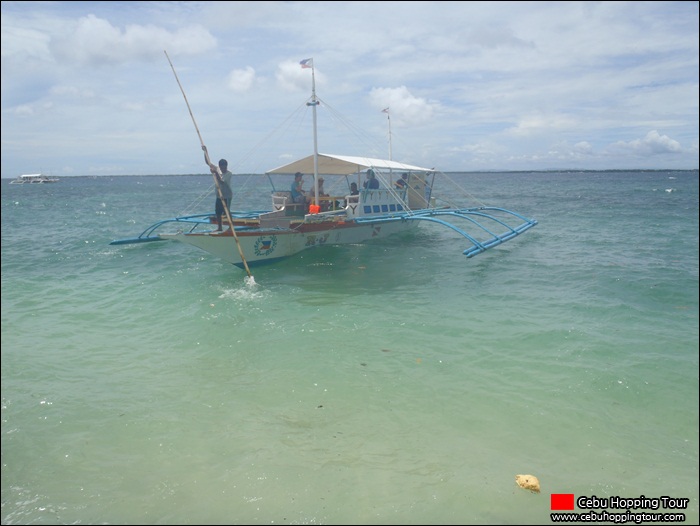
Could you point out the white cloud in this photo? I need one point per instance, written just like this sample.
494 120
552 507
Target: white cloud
241 80
72 92
95 42
24 44
652 144
535 124
487 85
405 109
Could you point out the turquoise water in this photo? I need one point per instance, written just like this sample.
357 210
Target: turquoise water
385 383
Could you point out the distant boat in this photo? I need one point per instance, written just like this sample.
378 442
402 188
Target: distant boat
34 179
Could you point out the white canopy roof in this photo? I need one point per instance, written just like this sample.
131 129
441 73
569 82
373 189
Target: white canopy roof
343 165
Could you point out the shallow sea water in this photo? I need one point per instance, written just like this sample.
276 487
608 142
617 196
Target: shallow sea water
383 383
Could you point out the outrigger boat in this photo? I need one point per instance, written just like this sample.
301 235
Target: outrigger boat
34 179
258 237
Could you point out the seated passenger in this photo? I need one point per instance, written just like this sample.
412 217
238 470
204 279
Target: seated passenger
321 191
324 203
402 183
353 191
298 193
372 183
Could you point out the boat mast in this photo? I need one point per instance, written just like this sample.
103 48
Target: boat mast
309 63
388 118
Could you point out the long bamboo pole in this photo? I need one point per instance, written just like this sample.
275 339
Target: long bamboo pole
214 168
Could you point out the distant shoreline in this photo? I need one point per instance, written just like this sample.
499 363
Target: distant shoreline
568 170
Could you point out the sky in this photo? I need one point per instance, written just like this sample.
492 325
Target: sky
87 88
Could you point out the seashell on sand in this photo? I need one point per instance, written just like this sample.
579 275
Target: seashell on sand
528 482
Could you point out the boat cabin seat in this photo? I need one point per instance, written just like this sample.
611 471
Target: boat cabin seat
282 200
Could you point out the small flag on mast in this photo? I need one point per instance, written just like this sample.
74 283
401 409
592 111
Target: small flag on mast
307 63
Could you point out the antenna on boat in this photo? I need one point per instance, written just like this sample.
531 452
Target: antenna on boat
388 118
309 63
216 179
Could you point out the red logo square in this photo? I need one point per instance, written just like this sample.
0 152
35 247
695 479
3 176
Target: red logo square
562 501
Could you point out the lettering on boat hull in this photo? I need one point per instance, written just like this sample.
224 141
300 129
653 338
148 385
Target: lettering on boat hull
312 241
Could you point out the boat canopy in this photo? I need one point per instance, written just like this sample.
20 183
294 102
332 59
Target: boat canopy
343 165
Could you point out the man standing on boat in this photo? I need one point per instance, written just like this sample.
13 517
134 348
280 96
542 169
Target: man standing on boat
224 177
298 194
